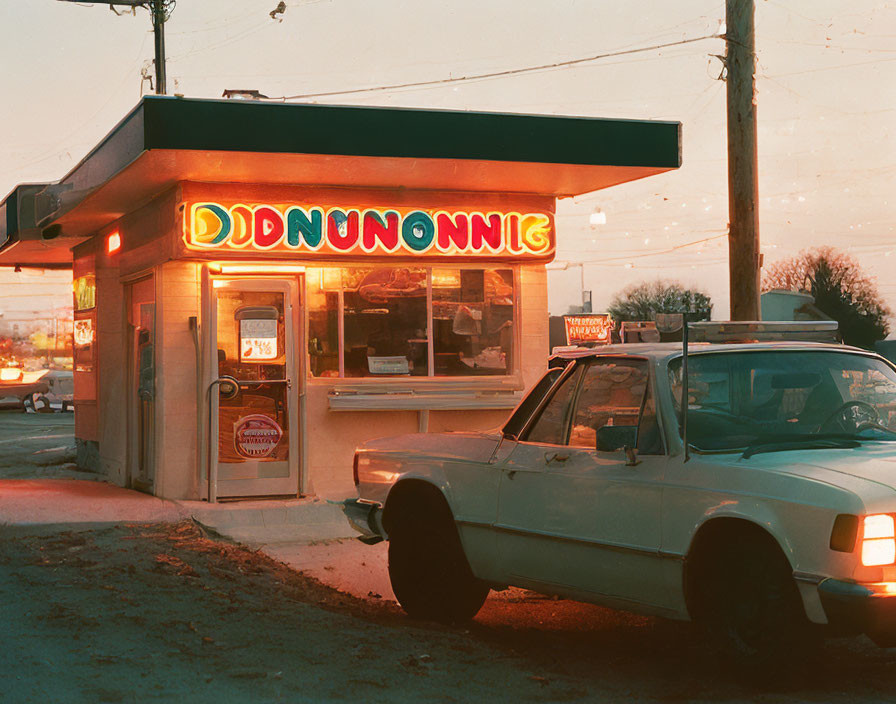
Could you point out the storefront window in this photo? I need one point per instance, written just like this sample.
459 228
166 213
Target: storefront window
472 312
322 302
385 322
379 322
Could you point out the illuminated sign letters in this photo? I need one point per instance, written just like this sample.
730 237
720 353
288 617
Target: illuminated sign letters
589 328
309 230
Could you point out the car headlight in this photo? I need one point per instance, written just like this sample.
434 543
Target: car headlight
878 540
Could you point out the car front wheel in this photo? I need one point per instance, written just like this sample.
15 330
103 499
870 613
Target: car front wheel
429 572
754 612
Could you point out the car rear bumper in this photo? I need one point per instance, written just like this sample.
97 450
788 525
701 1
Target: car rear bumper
363 516
854 608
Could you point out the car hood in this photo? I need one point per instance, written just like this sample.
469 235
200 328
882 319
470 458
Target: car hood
870 462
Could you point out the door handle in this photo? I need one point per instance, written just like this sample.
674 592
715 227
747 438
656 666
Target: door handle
555 457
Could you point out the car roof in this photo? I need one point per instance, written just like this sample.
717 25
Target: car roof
669 350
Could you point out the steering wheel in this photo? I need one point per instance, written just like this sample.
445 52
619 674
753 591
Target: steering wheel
862 415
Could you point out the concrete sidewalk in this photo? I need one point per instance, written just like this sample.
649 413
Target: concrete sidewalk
272 522
309 535
70 501
346 564
254 523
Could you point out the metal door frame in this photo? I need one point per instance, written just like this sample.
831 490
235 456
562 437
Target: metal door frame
290 288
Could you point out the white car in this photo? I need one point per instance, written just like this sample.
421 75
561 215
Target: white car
781 516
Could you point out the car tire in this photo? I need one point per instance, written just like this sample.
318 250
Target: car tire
753 609
429 572
35 403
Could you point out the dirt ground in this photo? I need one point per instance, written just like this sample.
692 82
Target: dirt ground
146 612
142 613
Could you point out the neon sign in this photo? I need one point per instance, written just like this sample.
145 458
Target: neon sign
589 328
300 229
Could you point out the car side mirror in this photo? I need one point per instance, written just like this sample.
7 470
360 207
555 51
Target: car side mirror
614 437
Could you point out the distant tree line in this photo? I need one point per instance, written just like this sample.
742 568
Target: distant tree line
644 300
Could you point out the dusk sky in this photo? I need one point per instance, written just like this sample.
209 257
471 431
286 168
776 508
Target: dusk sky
826 102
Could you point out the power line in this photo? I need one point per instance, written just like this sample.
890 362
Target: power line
656 253
499 74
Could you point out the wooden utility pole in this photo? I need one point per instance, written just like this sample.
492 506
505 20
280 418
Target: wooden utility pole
160 10
159 17
743 181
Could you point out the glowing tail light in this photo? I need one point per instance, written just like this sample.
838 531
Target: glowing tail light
355 470
878 540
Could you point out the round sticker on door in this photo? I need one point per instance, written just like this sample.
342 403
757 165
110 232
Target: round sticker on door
256 436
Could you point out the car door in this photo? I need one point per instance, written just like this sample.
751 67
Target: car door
518 525
580 516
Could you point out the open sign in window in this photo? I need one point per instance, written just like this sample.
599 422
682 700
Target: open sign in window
258 333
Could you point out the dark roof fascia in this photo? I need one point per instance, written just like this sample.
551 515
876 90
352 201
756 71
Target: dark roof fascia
171 123
119 148
9 218
301 128
15 217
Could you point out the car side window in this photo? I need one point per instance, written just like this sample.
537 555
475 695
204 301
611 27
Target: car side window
650 439
551 426
612 394
517 421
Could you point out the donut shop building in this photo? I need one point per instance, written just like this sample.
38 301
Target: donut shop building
260 287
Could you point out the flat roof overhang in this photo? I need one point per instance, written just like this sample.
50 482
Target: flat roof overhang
166 140
21 243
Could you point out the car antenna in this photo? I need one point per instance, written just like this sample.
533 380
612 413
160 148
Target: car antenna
685 396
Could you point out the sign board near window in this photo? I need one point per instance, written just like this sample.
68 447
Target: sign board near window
258 333
350 231
258 340
84 288
83 332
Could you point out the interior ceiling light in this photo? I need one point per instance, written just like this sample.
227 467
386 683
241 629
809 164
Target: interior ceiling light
257 269
598 217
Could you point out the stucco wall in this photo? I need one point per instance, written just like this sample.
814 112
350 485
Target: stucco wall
177 299
111 370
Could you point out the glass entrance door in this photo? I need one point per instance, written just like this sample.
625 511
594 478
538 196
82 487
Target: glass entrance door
254 410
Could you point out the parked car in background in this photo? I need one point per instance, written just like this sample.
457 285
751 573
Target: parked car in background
18 385
763 507
37 391
60 394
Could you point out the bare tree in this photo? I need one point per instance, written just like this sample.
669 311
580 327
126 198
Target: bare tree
841 290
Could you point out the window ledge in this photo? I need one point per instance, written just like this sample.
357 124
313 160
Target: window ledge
340 400
420 384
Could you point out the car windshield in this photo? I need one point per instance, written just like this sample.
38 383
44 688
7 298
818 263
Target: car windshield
745 399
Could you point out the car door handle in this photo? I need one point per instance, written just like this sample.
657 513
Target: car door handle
555 457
